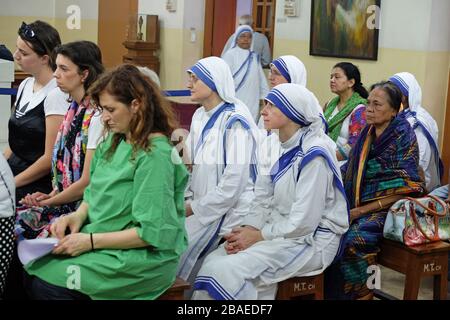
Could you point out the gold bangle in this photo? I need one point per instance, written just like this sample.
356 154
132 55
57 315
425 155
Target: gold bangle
380 204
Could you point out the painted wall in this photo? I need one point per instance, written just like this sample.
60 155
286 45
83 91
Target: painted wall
51 11
181 38
421 47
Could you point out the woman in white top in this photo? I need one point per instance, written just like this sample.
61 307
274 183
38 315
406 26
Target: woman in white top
298 215
249 79
424 126
222 147
346 114
39 110
78 65
7 209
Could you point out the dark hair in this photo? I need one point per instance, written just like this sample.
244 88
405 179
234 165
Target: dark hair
126 83
352 72
393 93
42 38
87 56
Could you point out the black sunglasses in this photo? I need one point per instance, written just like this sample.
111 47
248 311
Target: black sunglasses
28 34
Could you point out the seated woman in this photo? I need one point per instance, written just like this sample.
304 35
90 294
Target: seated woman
221 145
78 66
285 69
38 112
298 215
128 234
424 126
7 209
32 128
345 114
249 79
382 168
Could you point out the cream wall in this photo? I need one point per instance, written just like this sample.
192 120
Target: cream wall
13 12
181 38
414 37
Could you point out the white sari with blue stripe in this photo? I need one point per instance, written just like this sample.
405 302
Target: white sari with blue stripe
223 150
424 126
302 212
249 79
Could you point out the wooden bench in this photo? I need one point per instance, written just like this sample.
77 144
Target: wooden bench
415 263
176 291
301 287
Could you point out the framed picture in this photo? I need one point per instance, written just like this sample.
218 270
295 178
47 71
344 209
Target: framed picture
345 28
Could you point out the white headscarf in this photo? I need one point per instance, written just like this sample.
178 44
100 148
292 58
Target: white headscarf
410 88
216 74
302 107
240 30
292 69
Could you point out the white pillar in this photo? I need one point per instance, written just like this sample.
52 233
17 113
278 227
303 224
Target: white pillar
6 78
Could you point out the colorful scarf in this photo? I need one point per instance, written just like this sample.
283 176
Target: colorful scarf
67 166
383 167
335 124
71 143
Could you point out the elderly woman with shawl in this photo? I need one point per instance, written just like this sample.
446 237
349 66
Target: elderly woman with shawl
382 168
222 147
298 215
424 126
249 79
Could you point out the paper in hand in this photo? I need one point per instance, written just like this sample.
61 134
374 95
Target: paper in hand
30 250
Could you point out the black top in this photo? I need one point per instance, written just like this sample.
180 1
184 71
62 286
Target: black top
27 142
5 53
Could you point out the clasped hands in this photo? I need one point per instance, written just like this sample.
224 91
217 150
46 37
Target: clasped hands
241 238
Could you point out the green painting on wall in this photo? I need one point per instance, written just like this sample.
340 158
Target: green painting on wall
345 28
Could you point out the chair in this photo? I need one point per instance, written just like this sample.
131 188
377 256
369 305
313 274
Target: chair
176 291
301 287
415 263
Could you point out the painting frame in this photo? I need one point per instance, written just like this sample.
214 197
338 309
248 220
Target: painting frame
349 40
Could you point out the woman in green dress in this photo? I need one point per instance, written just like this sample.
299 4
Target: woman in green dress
127 236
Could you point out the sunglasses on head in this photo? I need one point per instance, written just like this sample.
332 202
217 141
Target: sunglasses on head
27 32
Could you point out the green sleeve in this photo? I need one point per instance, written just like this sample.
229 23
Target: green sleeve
98 154
158 208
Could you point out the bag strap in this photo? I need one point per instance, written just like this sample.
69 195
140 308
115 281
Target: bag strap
430 209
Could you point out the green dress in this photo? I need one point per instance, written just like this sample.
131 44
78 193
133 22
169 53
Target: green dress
146 193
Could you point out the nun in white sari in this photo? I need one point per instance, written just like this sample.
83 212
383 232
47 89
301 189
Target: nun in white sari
299 213
222 146
424 126
249 79
286 69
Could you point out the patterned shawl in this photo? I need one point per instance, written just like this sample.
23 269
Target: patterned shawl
335 124
70 147
383 167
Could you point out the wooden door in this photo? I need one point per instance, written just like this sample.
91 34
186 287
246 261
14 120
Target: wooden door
220 24
446 136
113 23
264 18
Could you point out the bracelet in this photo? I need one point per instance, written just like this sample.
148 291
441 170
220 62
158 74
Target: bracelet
92 242
380 204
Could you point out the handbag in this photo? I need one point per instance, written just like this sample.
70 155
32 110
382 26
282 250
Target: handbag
418 221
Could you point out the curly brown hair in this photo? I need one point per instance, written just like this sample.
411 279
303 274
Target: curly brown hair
155 115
